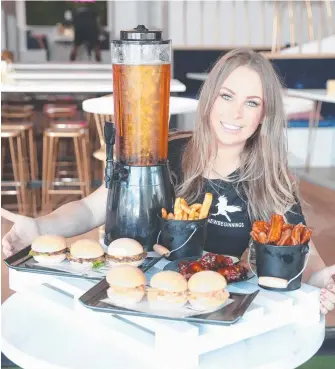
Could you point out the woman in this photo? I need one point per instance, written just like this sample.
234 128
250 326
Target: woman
237 152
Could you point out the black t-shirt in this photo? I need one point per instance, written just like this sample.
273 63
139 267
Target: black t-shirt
229 225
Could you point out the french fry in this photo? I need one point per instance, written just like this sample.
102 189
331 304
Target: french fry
206 205
183 202
306 235
164 213
192 214
285 238
177 206
185 216
185 209
178 215
170 216
196 206
275 231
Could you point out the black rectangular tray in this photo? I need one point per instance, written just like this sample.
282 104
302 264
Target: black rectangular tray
18 262
228 315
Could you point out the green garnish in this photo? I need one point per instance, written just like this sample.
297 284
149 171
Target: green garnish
97 264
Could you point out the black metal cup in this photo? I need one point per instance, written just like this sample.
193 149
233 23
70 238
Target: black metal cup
284 262
174 233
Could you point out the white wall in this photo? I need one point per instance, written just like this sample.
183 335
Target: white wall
3 30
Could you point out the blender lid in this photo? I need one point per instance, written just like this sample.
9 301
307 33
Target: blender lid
140 33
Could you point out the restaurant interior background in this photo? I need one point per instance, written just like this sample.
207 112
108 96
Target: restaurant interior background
297 36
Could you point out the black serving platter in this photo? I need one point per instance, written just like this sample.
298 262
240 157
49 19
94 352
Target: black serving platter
227 315
23 262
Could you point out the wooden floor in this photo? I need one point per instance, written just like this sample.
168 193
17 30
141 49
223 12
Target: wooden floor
319 209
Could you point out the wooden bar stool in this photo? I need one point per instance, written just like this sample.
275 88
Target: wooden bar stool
100 154
19 118
13 138
51 140
58 112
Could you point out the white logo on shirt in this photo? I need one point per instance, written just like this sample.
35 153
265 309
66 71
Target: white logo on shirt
224 208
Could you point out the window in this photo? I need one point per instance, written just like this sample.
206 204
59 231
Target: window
49 13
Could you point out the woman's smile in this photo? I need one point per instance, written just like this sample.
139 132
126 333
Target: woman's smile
230 128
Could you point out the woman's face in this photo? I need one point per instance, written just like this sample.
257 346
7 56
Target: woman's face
238 109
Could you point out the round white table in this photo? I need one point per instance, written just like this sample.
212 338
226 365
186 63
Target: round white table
35 337
105 105
314 97
48 82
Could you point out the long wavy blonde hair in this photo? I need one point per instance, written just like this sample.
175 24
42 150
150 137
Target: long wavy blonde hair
263 176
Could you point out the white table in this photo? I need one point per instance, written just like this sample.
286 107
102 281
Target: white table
105 105
317 96
81 85
45 327
197 76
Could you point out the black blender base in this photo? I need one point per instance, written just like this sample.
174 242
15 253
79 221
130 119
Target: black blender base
135 199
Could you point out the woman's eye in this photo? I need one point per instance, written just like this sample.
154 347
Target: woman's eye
226 97
253 104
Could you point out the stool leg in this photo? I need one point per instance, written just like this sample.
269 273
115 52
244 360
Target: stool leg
49 174
23 161
3 155
33 168
44 171
16 174
79 166
86 164
23 174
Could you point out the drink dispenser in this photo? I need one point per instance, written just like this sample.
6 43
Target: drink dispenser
137 174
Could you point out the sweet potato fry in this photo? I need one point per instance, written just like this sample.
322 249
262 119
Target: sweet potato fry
206 205
287 226
306 235
261 237
170 216
285 239
253 234
276 225
261 226
296 234
164 213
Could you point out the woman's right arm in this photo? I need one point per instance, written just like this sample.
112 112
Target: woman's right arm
69 220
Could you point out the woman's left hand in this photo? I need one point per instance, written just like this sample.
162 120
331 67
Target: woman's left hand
324 280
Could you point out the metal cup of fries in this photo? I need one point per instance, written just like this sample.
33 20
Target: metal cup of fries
185 225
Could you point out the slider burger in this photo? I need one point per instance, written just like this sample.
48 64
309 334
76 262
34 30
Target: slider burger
125 251
49 249
207 290
86 253
126 285
168 290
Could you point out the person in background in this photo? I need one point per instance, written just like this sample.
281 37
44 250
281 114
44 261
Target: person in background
86 31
